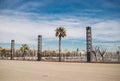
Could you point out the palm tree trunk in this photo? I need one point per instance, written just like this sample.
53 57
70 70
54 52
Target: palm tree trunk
59 48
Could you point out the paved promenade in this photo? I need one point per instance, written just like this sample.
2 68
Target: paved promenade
55 71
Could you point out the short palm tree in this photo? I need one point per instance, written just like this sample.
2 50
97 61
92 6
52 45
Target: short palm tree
24 49
60 32
3 52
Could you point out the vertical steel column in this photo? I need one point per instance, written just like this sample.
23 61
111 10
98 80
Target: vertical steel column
88 43
12 49
39 47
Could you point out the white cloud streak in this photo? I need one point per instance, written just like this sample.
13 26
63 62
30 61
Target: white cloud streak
24 28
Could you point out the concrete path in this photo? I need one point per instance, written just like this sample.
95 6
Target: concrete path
55 71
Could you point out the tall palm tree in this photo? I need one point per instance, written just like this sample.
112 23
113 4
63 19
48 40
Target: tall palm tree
24 49
60 32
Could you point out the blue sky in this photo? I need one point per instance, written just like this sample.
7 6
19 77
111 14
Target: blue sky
24 20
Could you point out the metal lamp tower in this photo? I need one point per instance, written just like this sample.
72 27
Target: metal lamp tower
39 47
12 49
88 43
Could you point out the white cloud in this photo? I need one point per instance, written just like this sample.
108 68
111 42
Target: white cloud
25 29
107 30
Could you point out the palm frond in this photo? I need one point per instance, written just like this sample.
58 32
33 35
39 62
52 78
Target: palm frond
60 32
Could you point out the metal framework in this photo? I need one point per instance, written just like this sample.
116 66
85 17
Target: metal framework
39 47
12 49
88 43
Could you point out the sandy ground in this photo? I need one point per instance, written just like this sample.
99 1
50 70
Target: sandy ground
55 71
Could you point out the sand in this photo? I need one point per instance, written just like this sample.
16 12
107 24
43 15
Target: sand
11 70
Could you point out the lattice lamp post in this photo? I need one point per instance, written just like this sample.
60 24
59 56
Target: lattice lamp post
39 47
88 43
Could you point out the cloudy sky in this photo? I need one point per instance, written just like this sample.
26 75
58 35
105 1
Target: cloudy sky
24 20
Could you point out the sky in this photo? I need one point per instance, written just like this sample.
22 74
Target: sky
24 20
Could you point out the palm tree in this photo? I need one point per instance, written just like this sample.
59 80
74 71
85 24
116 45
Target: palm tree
60 32
24 49
4 52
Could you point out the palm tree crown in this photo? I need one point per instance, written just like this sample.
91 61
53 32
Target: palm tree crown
60 32
24 49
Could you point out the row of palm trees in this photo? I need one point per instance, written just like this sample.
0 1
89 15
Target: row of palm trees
24 50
